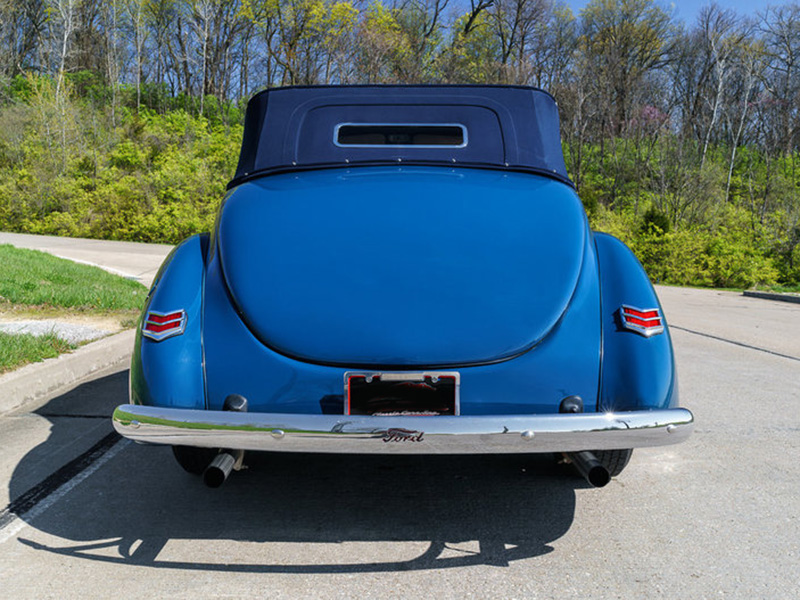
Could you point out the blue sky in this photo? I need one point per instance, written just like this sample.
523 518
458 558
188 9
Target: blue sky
686 10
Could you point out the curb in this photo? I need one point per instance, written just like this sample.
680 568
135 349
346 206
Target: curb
39 380
773 296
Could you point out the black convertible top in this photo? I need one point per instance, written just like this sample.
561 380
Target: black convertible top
503 127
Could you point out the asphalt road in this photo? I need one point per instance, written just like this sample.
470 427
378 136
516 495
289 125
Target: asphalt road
88 515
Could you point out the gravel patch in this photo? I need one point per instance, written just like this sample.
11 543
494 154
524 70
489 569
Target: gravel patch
70 332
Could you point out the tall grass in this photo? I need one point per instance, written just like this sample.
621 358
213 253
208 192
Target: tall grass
20 349
30 277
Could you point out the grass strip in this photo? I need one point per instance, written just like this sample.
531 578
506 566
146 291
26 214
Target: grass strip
36 278
19 349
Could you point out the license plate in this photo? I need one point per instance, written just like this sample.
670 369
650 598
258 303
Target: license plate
402 394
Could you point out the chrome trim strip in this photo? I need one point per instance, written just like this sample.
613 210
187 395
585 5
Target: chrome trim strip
495 434
463 128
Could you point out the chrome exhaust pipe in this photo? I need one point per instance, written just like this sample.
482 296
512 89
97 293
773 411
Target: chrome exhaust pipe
591 468
227 460
217 472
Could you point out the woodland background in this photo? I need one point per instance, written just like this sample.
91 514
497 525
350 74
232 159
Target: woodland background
122 119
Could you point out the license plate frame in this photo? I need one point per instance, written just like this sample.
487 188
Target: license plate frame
405 393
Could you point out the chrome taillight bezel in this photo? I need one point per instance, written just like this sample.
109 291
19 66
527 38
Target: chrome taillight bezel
644 321
159 326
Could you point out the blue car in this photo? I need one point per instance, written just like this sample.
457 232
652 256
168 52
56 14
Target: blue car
402 269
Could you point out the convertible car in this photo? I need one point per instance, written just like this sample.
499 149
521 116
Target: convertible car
402 269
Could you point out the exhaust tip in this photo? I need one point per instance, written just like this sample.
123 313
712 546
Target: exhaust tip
217 472
592 469
213 477
598 476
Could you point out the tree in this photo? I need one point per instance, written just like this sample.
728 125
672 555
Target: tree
623 41
473 51
722 33
135 10
23 29
551 51
382 45
515 22
781 30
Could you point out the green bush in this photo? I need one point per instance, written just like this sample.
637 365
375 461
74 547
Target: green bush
146 177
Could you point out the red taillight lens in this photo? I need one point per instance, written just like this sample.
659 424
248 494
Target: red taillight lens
645 322
158 326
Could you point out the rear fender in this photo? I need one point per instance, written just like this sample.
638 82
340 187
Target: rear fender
637 372
169 373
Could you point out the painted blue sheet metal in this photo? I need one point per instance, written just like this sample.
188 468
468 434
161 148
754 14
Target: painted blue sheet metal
565 363
402 266
509 127
170 372
321 267
638 372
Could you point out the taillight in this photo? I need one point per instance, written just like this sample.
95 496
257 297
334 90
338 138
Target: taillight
645 322
158 326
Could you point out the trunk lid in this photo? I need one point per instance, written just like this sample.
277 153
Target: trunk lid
402 267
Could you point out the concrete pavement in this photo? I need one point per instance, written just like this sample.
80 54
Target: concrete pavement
129 259
751 322
26 387
715 517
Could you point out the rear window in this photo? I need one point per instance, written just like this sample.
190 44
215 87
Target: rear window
400 135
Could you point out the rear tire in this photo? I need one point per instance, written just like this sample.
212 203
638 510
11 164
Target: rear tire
614 460
194 460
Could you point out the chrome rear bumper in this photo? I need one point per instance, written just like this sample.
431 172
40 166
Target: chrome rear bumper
496 434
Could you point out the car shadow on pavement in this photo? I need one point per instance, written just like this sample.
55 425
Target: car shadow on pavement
458 511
